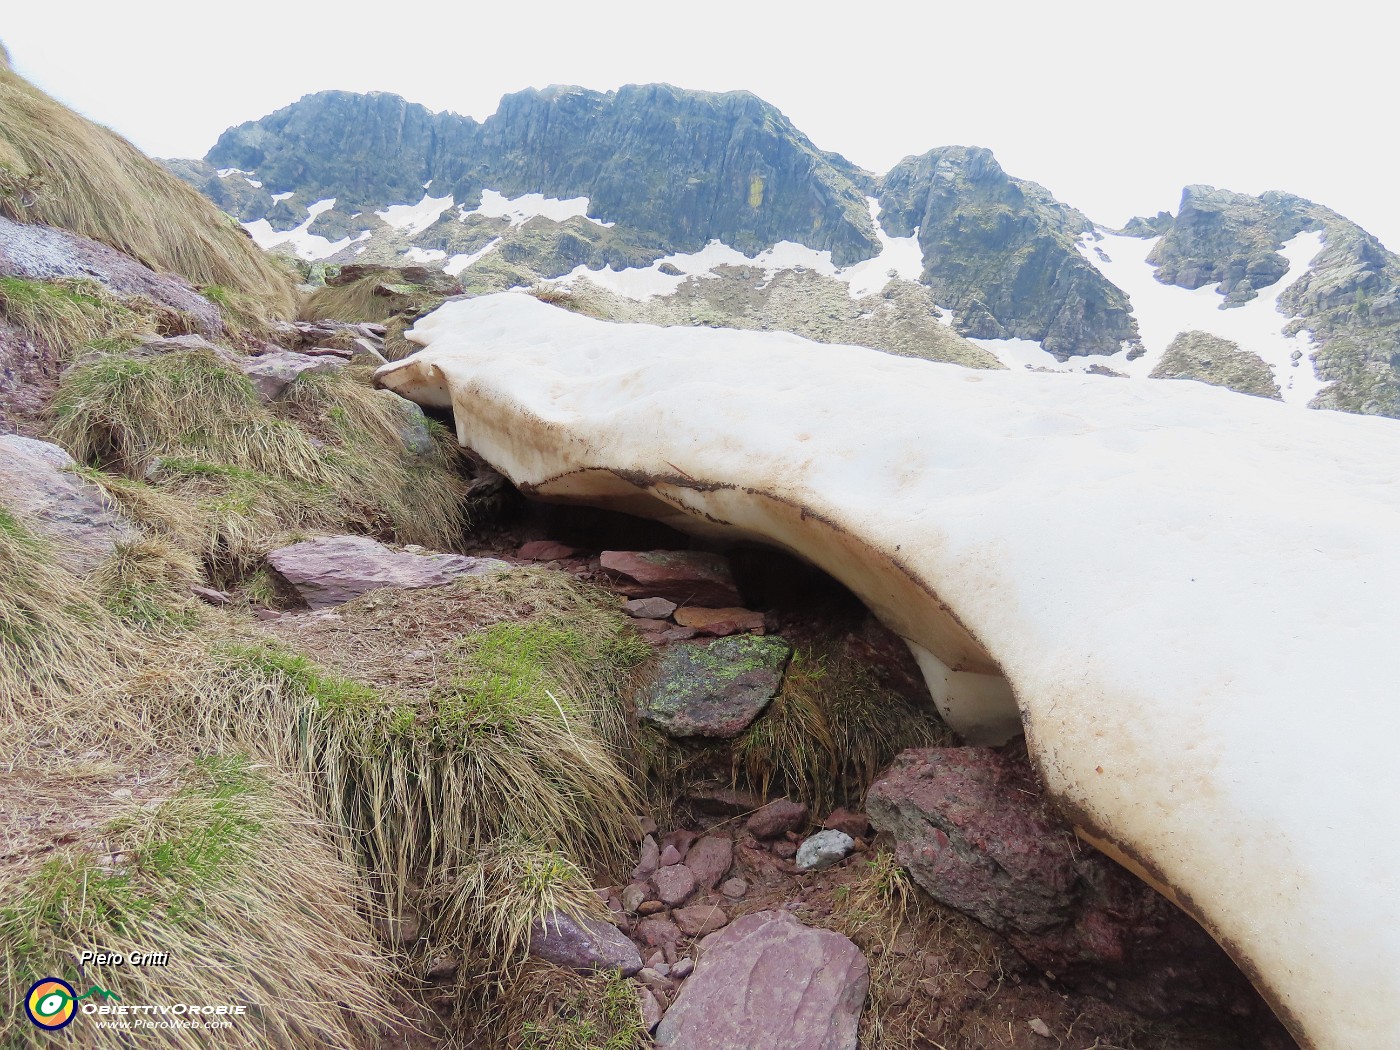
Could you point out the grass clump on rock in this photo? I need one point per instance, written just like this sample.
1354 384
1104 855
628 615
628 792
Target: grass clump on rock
830 731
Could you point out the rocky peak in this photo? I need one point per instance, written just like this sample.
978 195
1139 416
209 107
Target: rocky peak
999 251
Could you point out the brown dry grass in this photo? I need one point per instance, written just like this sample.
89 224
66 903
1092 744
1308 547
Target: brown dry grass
60 169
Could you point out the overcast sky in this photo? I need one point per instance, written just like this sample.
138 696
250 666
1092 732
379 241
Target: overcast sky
1112 105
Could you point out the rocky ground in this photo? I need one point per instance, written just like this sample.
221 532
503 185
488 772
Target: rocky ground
952 909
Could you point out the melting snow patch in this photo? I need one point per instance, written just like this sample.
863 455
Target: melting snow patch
415 218
224 173
458 263
521 210
278 198
423 255
309 246
901 256
1163 311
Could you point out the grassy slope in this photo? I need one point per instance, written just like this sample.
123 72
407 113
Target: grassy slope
61 169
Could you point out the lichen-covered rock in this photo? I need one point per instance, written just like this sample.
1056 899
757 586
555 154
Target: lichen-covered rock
334 569
714 690
583 945
1209 359
766 980
38 488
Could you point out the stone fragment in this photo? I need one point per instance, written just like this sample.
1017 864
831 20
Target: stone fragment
719 622
734 888
658 932
684 577
649 860
332 570
651 1008
272 373
649 608
785 850
211 596
650 907
714 689
853 823
1039 1027
823 850
583 945
768 981
670 855
709 860
682 968
777 818
633 896
680 838
720 799
546 550
697 920
674 884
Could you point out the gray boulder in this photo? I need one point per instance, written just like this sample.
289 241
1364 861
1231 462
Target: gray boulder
334 569
272 373
715 690
767 980
823 850
37 487
583 945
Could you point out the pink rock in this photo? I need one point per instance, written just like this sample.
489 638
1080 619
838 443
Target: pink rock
658 932
673 884
681 838
853 823
334 569
649 608
777 818
684 577
650 859
670 855
709 860
719 622
697 920
583 945
734 888
768 981
651 1008
546 550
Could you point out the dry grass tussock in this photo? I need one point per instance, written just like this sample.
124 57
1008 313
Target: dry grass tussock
549 1008
219 875
60 169
830 731
374 297
511 731
67 315
199 454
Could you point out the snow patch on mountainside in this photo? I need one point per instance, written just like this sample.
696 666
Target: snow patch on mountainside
424 255
458 263
900 256
520 210
413 219
308 246
1164 311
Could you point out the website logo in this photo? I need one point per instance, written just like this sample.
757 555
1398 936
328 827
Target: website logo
51 1003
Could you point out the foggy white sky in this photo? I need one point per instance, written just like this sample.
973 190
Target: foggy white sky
1112 105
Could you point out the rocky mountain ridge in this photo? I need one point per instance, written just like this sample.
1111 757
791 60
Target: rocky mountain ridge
684 206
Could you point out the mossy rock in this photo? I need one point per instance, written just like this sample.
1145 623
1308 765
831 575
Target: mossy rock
1210 359
715 690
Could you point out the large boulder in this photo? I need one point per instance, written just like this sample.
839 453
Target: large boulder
714 690
583 945
334 569
973 829
767 980
39 489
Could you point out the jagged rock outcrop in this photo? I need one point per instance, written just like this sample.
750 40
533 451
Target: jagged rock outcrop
674 168
1349 299
999 251
1209 359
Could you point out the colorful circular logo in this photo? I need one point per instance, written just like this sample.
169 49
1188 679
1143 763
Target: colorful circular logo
50 1003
